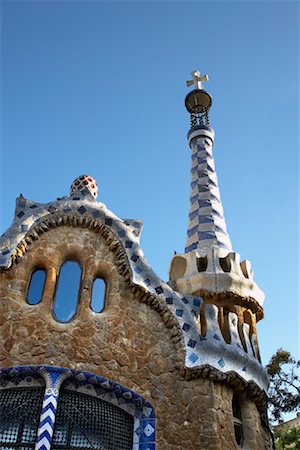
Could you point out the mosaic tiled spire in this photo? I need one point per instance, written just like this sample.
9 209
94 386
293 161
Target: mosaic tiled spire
208 265
207 226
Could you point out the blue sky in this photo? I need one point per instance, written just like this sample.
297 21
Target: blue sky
99 87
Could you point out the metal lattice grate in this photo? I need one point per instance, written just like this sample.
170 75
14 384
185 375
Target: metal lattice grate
83 421
20 410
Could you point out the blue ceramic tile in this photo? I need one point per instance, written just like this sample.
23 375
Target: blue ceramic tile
192 231
186 327
2 260
159 290
82 210
204 203
191 247
203 235
193 214
193 357
191 343
221 362
194 198
197 302
179 312
52 209
145 446
148 434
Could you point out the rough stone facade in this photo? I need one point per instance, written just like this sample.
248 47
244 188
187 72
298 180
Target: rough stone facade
133 342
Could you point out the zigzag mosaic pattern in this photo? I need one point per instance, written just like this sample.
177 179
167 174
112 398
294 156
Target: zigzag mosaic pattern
134 404
46 426
207 226
53 380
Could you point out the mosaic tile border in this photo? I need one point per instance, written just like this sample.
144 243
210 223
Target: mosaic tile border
141 410
199 351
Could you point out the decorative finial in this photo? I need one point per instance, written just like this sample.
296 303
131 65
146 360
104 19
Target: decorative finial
197 80
86 185
198 101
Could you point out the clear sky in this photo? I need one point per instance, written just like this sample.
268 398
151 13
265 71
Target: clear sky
98 88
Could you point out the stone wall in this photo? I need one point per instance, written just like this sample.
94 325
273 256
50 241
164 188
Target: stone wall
129 342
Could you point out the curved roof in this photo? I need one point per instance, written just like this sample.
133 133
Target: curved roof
210 350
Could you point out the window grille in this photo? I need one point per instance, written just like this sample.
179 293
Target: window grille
20 410
84 421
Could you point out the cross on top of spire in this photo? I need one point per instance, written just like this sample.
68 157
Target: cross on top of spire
197 80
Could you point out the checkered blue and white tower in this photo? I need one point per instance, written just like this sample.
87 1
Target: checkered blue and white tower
209 263
207 227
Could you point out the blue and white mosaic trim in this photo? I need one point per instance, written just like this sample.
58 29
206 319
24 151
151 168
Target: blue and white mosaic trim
47 420
125 399
209 350
207 225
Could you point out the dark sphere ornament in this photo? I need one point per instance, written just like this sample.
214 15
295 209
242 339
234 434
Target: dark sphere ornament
198 101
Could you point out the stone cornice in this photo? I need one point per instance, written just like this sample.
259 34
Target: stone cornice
246 302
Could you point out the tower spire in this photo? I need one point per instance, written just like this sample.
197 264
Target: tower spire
207 227
209 266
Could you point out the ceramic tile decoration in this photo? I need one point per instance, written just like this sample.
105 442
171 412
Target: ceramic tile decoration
86 185
207 226
183 307
83 382
165 339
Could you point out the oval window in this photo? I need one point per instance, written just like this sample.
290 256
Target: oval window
66 299
36 287
98 295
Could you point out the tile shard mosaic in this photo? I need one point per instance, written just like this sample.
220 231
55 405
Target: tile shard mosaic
200 350
207 235
205 202
144 420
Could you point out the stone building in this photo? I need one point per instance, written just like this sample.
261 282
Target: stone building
97 352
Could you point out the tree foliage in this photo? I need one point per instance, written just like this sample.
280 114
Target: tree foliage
284 392
286 437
